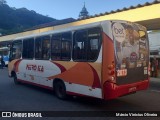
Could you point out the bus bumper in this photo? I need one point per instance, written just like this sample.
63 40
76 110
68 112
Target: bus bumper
111 90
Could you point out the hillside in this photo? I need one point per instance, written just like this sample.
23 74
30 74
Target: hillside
14 20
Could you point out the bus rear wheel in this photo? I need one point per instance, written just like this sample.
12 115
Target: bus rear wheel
60 89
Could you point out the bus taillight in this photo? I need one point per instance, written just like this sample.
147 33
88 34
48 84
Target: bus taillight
110 67
111 72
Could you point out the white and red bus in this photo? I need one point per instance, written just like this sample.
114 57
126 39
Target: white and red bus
105 60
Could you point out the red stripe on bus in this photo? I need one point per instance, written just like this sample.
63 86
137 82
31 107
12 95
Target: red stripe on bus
62 68
96 82
79 94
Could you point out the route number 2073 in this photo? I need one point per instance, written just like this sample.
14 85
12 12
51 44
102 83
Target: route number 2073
122 72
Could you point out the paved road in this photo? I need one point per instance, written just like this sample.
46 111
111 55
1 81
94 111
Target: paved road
28 98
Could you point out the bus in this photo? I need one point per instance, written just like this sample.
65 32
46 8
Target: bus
106 60
4 54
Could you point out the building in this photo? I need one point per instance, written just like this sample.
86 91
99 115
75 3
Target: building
84 13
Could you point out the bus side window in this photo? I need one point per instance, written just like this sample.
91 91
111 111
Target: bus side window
87 44
38 48
94 43
61 46
66 42
46 47
80 45
76 51
28 48
56 47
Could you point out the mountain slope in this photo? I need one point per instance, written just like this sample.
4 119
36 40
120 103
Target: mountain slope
14 20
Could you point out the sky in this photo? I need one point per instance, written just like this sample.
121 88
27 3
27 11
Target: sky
62 9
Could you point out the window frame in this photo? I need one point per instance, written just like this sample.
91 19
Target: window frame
99 46
41 39
60 39
11 55
32 39
70 50
49 48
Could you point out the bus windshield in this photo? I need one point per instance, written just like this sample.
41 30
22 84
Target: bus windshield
4 52
16 50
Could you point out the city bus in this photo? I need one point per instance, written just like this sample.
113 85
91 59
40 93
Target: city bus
106 60
4 54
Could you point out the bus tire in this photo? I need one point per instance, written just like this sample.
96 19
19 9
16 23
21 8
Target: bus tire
60 89
15 79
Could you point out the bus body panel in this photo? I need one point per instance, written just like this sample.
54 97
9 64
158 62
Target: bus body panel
42 73
113 91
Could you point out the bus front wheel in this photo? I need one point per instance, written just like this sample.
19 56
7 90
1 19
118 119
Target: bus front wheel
60 89
15 79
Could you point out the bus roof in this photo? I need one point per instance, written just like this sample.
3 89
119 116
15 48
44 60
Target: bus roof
57 29
71 28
